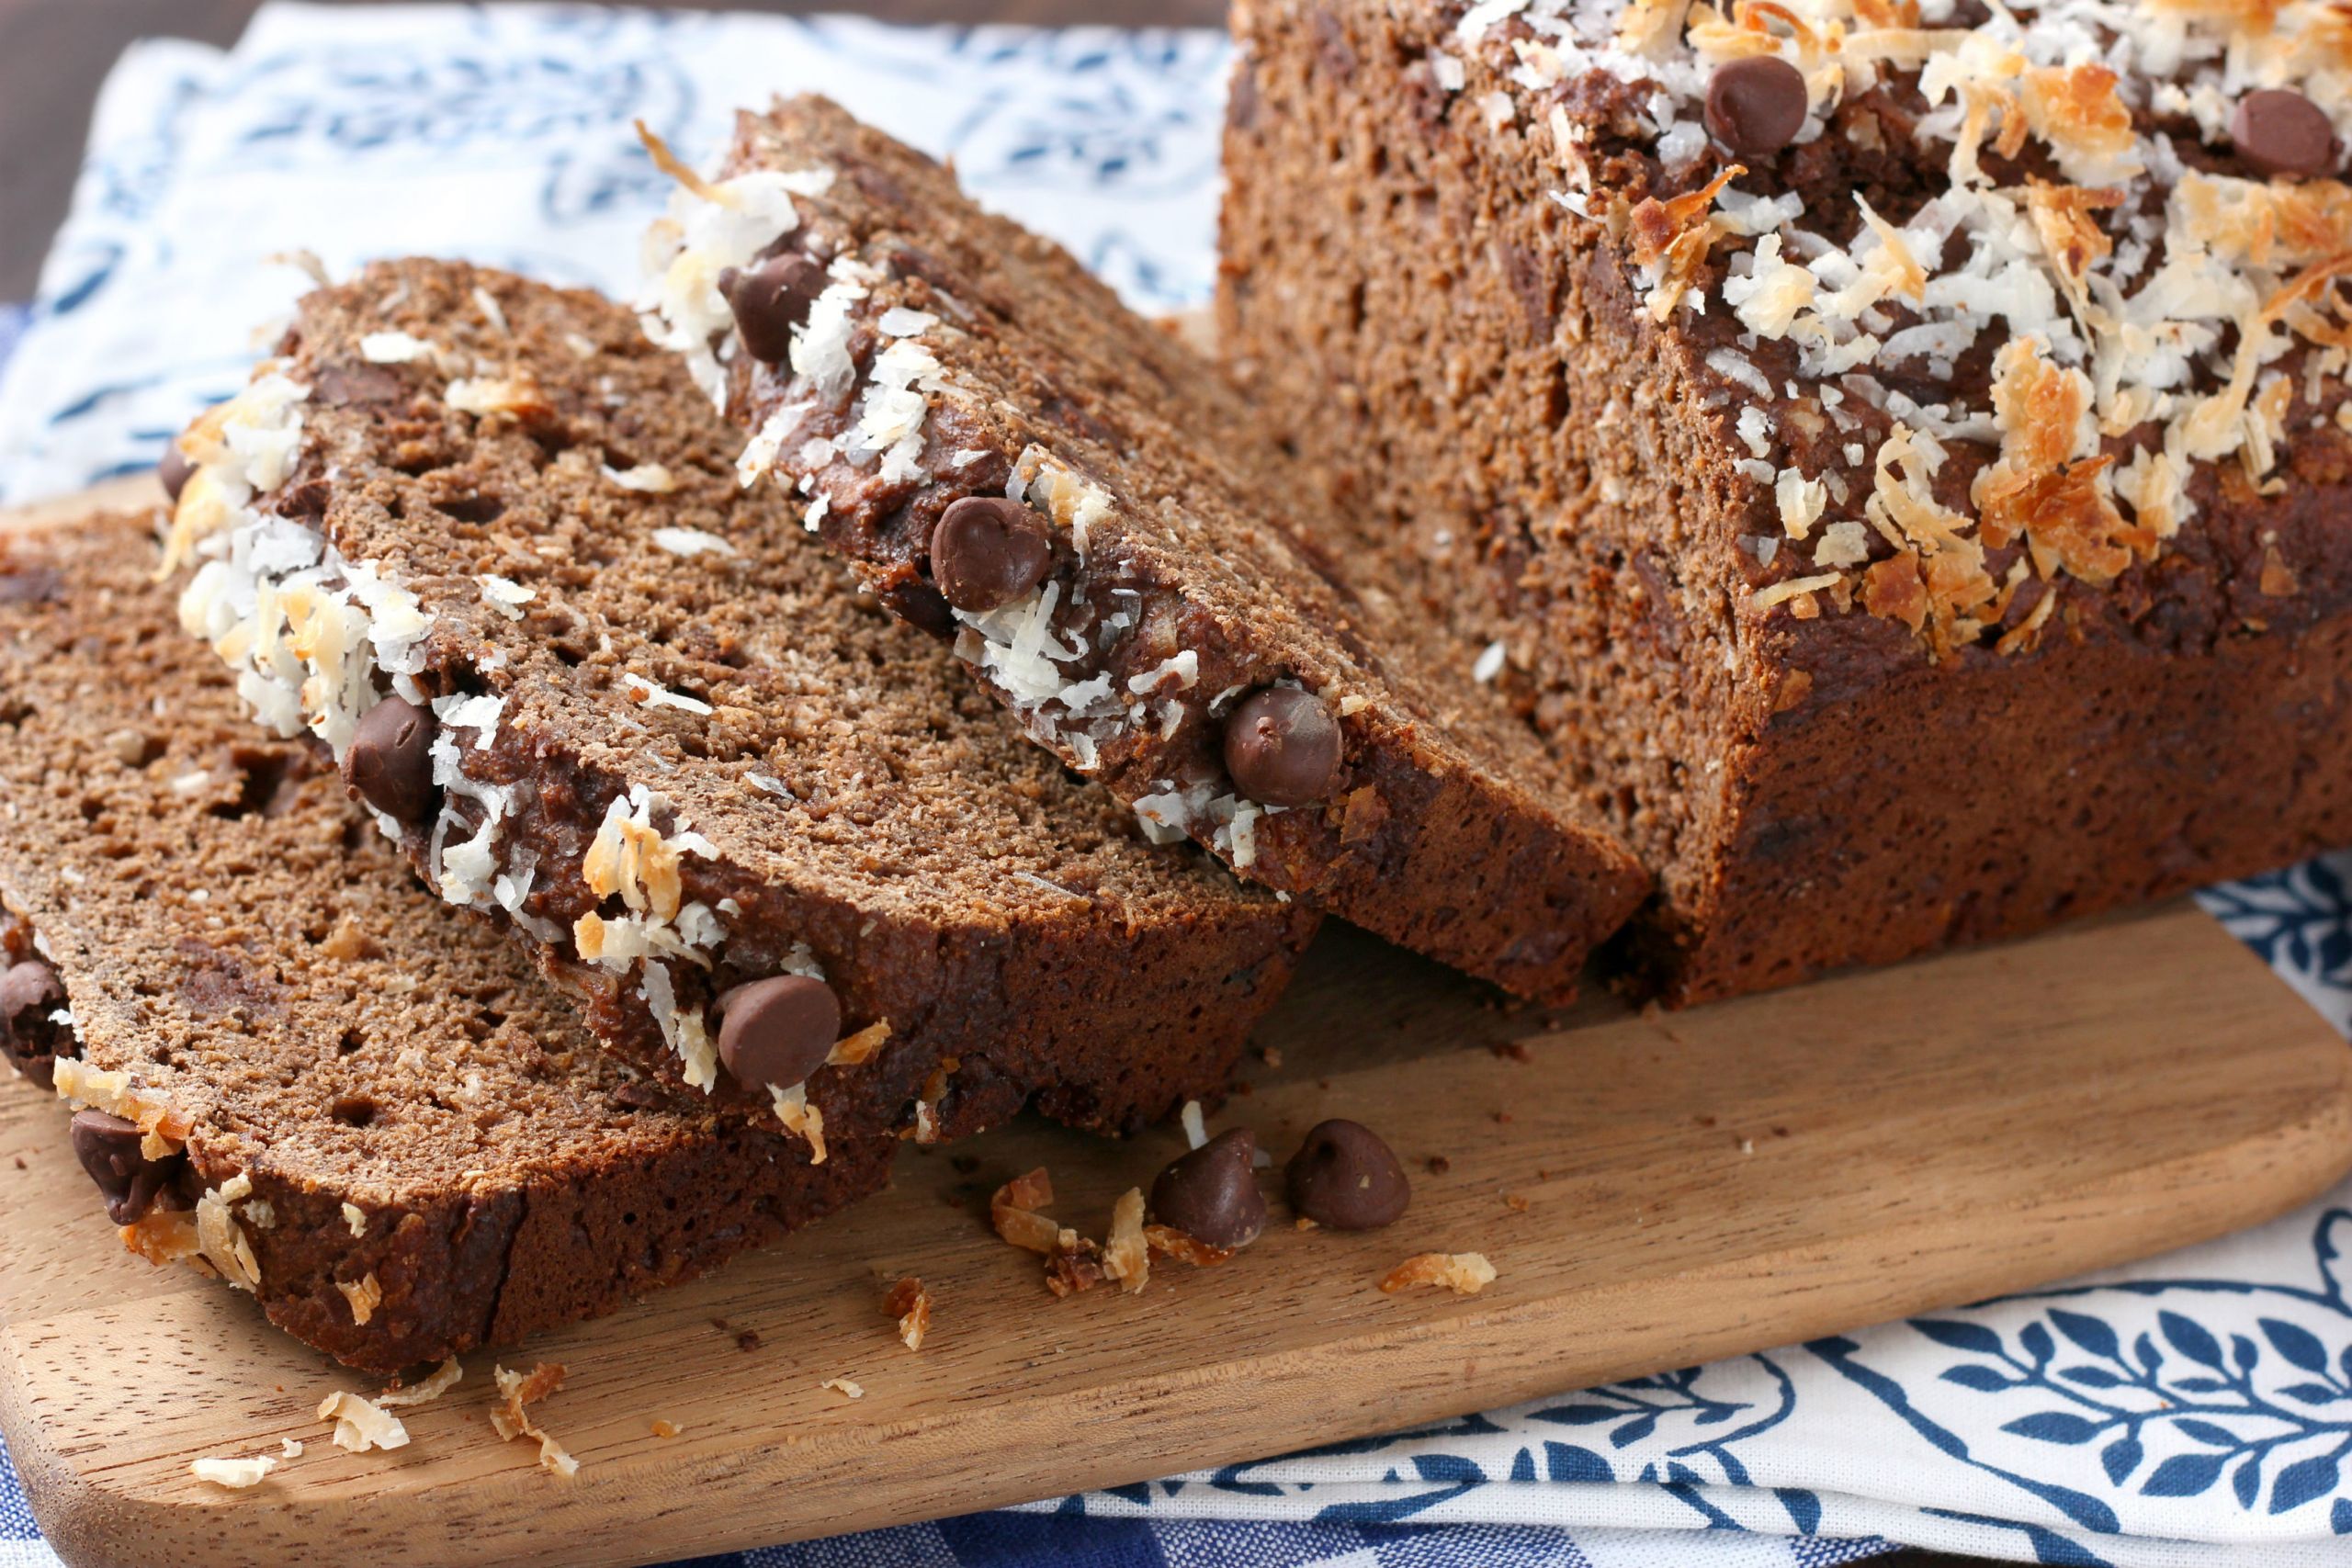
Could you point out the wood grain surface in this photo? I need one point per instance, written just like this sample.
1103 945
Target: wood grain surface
1693 1185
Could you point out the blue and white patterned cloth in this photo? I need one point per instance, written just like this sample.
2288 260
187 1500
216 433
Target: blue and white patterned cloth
2192 1409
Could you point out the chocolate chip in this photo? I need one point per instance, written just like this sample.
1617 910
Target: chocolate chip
1756 106
1282 746
989 551
778 1030
1212 1193
771 298
30 992
107 1147
2283 132
174 469
1345 1178
390 764
26 986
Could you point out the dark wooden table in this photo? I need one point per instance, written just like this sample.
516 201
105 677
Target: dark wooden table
54 54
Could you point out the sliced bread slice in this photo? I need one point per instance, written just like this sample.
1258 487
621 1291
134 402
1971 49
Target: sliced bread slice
296 1068
487 543
1012 456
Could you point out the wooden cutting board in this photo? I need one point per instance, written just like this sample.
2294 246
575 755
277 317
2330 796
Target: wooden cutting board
1652 1190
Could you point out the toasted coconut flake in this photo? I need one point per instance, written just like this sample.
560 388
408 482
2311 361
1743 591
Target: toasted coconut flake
1671 239
2077 111
671 164
646 478
222 1240
854 1050
1463 1273
361 1424
365 1296
236 1474
909 1303
845 1387
441 1380
511 1421
799 1118
356 1219
2064 221
1170 1242
1126 1256
515 395
161 1236
1772 593
1013 1210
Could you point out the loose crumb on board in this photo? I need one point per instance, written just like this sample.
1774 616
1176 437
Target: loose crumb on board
1170 1242
512 1421
443 1379
1463 1273
909 1303
661 1429
361 1424
844 1387
236 1474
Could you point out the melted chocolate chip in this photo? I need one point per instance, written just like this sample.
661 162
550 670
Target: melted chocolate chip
2283 132
989 551
1756 106
1282 746
1212 1193
1346 1178
390 764
778 1030
770 299
30 992
174 469
107 1147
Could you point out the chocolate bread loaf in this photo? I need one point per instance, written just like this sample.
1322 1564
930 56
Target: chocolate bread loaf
1898 450
1012 457
296 1066
487 544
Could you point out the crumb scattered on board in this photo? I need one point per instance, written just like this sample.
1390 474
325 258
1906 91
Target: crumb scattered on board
1464 1273
362 1424
511 1421
909 1303
236 1474
844 1387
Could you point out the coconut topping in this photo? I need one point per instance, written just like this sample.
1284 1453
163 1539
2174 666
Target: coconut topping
2144 313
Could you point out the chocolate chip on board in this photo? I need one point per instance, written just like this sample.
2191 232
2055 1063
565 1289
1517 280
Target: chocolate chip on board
1212 1193
1346 1178
778 1030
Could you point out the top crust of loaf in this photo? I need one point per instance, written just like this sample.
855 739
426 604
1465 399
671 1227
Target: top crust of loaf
954 355
398 1137
2013 311
674 751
